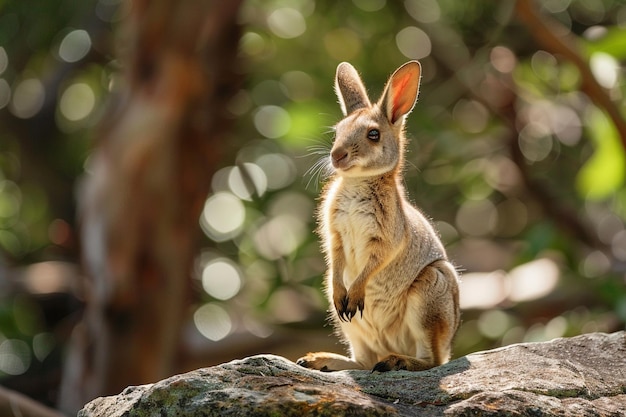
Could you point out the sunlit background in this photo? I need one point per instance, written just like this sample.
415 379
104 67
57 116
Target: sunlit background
521 171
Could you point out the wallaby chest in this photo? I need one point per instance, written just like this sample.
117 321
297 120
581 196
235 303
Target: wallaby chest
359 217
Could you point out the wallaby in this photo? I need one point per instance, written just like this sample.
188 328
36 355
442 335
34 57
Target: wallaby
393 293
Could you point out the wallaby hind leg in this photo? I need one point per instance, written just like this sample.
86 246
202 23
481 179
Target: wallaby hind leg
438 282
396 362
327 362
362 358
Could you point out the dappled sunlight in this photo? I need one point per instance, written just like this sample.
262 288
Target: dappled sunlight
461 169
517 160
605 68
483 289
533 280
527 282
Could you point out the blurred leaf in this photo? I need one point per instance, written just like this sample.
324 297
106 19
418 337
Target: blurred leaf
307 125
613 43
603 173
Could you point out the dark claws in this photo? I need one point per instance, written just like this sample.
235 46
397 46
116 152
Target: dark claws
381 367
345 314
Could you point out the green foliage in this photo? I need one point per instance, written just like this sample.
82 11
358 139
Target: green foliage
603 174
502 138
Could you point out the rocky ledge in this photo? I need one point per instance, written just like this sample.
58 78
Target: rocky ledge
578 376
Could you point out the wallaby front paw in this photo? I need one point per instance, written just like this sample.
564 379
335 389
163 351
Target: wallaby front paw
353 306
340 300
354 303
348 307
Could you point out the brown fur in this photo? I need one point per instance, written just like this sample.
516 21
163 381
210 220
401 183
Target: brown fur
394 296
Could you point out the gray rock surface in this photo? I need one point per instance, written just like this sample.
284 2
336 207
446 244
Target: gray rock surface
579 376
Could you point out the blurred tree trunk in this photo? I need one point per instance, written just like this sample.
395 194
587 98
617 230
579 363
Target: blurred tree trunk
156 149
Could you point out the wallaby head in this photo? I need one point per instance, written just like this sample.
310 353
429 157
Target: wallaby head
369 141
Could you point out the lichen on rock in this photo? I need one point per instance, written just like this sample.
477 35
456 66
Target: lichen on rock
579 376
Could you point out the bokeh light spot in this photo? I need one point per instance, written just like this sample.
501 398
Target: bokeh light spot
77 102
252 43
15 357
477 218
533 280
279 170
618 245
75 46
280 236
223 216
247 180
503 59
5 93
28 98
494 323
286 23
605 69
221 279
535 142
413 42
482 290
43 344
424 11
213 322
471 116
4 60
272 121
595 264
298 84
555 6
544 65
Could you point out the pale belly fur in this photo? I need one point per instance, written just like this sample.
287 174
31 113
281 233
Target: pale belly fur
386 326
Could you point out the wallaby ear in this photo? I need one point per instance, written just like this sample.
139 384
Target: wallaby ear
401 91
350 89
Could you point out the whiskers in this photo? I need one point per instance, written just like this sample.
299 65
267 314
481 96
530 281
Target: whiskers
321 168
319 171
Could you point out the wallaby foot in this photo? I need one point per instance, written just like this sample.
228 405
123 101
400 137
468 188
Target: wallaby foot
395 362
327 362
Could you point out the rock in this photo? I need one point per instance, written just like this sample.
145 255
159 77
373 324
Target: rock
579 376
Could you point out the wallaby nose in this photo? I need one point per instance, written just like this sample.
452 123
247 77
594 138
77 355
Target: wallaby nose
339 158
338 154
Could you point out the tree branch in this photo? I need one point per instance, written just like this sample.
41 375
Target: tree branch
544 29
16 404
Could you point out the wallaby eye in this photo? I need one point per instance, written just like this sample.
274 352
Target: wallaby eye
373 135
